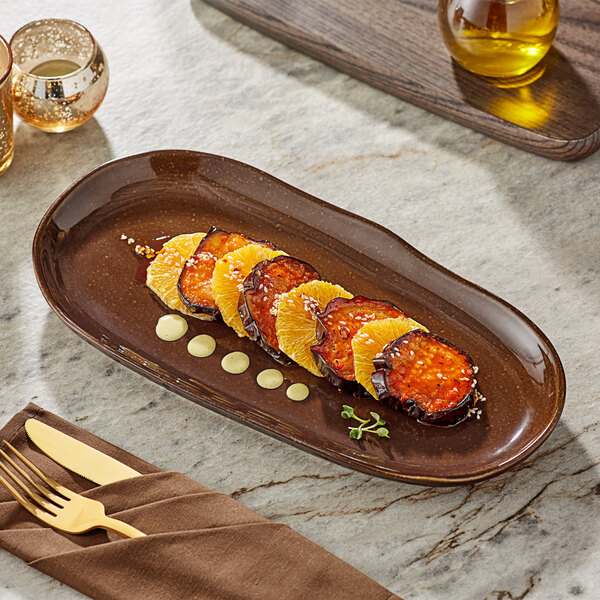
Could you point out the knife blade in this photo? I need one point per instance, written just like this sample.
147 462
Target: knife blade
77 456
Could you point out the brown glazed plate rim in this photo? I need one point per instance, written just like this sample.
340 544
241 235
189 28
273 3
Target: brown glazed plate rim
48 258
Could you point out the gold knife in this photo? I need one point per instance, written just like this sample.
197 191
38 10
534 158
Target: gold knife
77 456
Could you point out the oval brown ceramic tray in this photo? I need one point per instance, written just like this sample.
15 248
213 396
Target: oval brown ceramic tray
92 279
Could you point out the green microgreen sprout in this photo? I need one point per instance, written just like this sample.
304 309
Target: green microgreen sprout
356 433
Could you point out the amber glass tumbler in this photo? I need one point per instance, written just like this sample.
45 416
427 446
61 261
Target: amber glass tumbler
60 74
6 109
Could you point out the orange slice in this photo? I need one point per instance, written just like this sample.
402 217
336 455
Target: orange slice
297 321
163 272
370 341
228 277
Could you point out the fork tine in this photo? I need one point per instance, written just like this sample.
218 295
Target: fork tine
79 513
54 485
46 493
26 504
50 508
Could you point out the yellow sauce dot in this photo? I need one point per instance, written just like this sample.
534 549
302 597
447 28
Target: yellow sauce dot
202 346
235 362
297 392
171 327
269 379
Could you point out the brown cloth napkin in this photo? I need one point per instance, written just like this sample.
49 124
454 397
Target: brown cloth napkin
200 545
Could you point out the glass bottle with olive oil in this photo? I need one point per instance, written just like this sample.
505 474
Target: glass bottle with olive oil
498 38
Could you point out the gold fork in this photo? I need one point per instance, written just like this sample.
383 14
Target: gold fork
58 506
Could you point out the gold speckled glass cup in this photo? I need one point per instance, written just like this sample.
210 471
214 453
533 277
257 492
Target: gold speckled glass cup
6 108
60 74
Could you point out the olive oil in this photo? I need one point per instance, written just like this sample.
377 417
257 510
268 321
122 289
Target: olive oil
498 38
55 68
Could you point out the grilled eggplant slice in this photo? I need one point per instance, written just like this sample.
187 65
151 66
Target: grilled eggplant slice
336 326
263 288
296 323
228 281
429 378
195 281
370 341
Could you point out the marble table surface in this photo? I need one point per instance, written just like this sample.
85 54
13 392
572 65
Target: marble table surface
526 228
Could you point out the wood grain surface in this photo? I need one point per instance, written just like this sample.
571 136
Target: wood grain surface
396 45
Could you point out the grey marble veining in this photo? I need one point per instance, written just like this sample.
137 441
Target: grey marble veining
528 229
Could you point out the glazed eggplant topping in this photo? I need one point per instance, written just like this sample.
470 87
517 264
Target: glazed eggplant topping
429 378
194 284
337 325
263 288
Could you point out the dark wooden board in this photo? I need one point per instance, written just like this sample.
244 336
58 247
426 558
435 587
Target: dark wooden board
396 45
